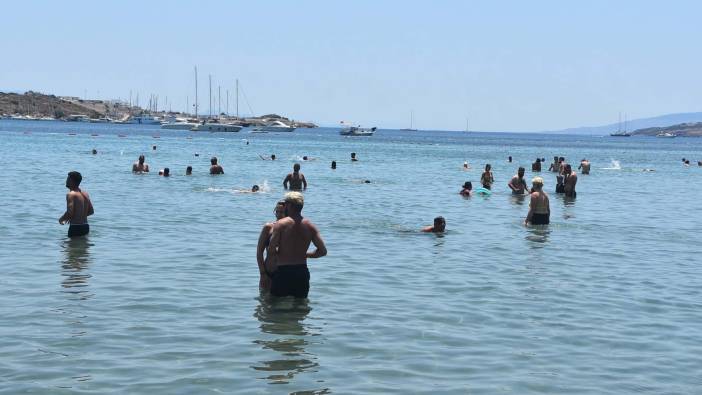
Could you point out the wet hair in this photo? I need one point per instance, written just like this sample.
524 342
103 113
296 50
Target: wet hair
295 199
255 188
440 219
510 158
166 172
213 160
94 151
538 160
304 158
141 158
520 169
488 167
188 170
468 185
153 148
333 165
296 167
561 159
699 163
543 159
75 177
687 161
273 157
353 154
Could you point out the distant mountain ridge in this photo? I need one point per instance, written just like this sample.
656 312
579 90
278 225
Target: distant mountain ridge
635 124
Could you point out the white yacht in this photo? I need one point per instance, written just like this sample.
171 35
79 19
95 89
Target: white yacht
666 135
215 127
143 120
275 126
179 124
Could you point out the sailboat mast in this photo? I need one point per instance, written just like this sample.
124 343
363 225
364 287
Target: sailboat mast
210 75
237 98
196 92
411 118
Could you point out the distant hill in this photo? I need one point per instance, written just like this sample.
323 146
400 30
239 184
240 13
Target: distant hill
636 124
692 129
38 104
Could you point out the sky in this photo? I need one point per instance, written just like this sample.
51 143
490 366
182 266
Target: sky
494 65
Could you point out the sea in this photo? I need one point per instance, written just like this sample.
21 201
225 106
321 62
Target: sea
162 297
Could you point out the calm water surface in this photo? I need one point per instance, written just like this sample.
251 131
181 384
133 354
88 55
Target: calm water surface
162 297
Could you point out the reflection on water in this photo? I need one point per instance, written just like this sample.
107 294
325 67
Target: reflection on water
284 339
76 259
537 235
518 199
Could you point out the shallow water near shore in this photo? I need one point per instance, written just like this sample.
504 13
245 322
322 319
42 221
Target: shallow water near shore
162 297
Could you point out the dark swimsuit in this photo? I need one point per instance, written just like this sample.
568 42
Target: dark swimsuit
539 219
78 230
291 280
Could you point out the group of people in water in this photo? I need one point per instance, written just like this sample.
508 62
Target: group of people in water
539 209
282 249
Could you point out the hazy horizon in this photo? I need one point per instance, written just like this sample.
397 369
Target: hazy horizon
506 66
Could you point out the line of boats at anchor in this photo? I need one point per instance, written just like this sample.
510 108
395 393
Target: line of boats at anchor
214 125
626 133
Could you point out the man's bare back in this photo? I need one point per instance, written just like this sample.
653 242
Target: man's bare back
292 238
79 206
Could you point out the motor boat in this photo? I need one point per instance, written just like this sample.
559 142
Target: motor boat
275 126
357 131
666 135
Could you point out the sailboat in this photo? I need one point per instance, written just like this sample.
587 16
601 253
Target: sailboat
410 129
619 132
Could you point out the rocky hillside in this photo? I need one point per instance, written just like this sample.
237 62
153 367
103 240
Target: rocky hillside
37 104
691 129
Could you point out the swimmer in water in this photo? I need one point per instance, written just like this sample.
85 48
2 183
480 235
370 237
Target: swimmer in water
189 171
555 166
438 227
467 190
255 188
539 209
466 166
296 179
569 181
536 166
699 163
333 165
153 148
215 168
140 166
486 179
687 163
166 172
509 159
518 184
585 166
78 207
353 157
264 239
94 151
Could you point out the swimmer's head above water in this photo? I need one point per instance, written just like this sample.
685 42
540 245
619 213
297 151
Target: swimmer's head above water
468 185
255 188
439 224
189 171
73 180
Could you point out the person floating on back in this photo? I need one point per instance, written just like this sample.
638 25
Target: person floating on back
438 227
214 167
78 207
518 184
486 179
287 251
467 190
140 166
295 181
539 209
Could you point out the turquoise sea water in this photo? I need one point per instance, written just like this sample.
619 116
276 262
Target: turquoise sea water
162 297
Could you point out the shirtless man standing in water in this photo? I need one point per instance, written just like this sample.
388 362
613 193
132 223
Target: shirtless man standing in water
139 166
569 181
78 207
296 180
287 251
518 184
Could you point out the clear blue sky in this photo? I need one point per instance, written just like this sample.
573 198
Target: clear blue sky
506 65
